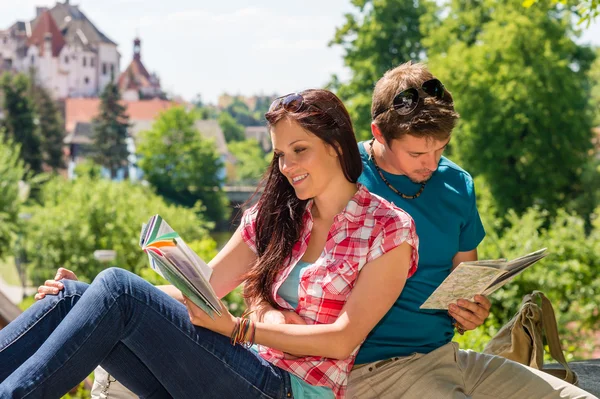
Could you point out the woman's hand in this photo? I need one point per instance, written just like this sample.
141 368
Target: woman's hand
223 325
275 316
53 287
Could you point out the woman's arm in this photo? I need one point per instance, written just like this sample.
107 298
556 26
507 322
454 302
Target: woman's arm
230 264
379 284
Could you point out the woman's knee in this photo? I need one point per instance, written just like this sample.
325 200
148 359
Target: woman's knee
117 280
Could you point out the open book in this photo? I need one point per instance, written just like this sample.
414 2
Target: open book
177 263
478 277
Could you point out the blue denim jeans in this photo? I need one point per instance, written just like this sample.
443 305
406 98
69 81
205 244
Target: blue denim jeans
137 333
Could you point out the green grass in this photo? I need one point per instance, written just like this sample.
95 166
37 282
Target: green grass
8 271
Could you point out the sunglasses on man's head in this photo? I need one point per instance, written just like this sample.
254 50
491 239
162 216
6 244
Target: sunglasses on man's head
407 100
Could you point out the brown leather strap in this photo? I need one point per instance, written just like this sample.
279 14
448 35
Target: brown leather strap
551 333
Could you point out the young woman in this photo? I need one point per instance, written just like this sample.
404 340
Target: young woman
316 243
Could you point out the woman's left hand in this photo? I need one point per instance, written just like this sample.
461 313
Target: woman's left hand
223 324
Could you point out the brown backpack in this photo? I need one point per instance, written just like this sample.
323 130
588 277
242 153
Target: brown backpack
521 339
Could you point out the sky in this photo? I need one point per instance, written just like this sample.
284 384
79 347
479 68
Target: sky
228 46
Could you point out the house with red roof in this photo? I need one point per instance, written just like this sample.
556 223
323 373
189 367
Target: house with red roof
81 112
71 57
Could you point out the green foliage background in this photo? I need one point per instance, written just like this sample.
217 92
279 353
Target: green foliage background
251 161
75 218
12 171
181 165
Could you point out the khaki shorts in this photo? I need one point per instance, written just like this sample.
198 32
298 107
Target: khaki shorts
449 372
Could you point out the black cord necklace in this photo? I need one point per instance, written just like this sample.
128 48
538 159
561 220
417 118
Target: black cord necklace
387 183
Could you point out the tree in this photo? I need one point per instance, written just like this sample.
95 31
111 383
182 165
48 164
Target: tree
262 107
379 35
181 165
520 84
587 10
251 163
50 126
77 217
232 130
241 113
12 172
594 75
19 119
110 131
567 276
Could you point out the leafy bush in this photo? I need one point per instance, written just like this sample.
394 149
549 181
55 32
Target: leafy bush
75 218
12 171
568 275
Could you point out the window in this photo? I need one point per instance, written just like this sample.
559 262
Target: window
92 62
112 69
86 80
104 68
84 61
5 40
66 59
33 59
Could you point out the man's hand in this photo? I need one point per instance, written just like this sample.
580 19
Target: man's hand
53 287
470 315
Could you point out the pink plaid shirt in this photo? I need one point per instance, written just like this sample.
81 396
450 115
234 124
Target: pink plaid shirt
368 227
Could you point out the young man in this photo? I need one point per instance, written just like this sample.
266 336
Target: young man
409 353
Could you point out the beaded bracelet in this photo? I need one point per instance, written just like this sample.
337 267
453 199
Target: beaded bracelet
244 331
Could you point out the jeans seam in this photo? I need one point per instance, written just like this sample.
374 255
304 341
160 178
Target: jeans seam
38 320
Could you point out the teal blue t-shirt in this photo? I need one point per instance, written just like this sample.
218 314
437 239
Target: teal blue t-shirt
289 291
447 222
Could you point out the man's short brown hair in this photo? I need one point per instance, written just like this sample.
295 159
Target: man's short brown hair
432 118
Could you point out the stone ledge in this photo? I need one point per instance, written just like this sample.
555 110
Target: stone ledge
588 372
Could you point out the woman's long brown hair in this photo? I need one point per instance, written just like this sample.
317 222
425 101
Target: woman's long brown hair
280 212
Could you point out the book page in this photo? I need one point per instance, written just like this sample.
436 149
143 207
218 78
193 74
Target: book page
171 275
171 258
464 282
192 272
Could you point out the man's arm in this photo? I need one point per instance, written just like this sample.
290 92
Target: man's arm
467 256
469 315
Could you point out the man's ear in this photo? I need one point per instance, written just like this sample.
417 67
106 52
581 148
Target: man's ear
377 133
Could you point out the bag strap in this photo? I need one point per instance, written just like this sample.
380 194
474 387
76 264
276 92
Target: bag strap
551 332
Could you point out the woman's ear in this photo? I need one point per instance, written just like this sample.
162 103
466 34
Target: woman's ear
331 150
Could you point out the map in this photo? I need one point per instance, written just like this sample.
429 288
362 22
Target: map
463 283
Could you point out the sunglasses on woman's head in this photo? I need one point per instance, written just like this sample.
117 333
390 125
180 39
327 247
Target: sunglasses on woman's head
290 102
407 100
